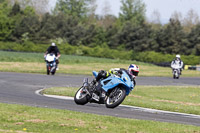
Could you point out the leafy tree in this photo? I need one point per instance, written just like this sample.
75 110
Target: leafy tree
1 1
68 28
112 36
26 23
98 36
40 6
15 9
194 40
197 49
29 25
49 27
6 23
77 8
171 39
132 10
135 37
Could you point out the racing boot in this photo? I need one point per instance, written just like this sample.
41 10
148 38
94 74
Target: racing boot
98 89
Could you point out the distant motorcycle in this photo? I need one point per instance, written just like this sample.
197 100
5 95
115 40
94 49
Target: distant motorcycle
114 90
176 71
51 63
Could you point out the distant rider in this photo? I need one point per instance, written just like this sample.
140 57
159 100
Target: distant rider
53 49
177 62
132 71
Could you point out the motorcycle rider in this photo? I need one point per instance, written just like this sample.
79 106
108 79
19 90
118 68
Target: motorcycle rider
132 71
53 49
177 62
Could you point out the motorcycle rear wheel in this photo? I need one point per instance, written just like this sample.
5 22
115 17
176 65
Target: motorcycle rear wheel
81 97
115 99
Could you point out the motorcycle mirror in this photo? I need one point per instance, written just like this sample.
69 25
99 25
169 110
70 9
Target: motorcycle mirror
85 82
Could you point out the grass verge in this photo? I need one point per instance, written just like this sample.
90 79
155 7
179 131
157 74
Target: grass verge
23 119
183 99
69 64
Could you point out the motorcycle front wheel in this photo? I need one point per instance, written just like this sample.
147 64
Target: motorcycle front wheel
81 97
116 97
53 70
52 73
48 71
176 76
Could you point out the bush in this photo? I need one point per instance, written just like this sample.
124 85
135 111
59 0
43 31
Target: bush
155 57
100 51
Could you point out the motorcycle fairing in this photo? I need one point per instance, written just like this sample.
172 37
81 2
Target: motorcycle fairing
50 57
113 81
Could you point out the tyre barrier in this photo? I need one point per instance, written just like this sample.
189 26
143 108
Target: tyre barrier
190 67
186 67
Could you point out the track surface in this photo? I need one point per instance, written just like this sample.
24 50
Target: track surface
19 88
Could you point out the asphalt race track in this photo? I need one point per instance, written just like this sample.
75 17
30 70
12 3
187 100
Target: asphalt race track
19 88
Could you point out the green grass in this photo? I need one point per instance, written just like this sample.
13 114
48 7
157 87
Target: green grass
64 59
183 99
22 119
69 64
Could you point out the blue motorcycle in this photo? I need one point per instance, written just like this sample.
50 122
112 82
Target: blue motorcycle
114 90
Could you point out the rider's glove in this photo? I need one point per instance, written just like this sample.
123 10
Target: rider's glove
44 57
94 81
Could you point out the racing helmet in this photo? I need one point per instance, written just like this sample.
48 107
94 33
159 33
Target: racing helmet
53 44
178 56
133 70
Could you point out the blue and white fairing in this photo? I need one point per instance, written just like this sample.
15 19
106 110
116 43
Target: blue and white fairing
114 80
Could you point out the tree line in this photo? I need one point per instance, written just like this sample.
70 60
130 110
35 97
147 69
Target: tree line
74 22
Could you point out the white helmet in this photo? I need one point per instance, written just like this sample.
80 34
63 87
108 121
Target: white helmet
53 44
133 70
178 56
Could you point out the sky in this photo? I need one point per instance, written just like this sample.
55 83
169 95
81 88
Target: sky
165 7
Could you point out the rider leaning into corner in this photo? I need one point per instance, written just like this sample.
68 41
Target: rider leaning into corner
53 49
177 62
132 71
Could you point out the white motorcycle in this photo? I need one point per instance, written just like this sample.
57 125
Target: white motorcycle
51 63
176 71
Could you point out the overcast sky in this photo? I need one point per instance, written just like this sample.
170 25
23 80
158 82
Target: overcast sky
165 7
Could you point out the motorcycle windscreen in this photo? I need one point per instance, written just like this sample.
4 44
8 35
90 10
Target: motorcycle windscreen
95 73
50 58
